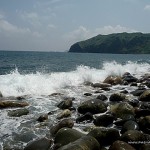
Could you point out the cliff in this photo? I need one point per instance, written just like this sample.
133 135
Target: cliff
118 43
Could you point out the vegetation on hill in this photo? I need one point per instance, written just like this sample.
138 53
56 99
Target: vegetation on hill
118 43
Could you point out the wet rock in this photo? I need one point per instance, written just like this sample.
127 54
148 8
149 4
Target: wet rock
145 96
56 94
93 106
70 135
88 117
133 84
144 123
146 146
121 145
8 104
20 97
117 97
42 118
40 144
104 120
18 112
137 92
87 94
113 80
129 78
65 104
101 85
64 114
124 91
84 143
122 109
145 105
63 123
1 94
101 97
104 135
24 136
134 102
129 125
135 138
142 112
120 122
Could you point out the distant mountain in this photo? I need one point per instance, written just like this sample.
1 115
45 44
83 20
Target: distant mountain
118 43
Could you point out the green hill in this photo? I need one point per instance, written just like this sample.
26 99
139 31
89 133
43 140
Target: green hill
119 43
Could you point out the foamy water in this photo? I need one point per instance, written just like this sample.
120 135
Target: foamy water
16 84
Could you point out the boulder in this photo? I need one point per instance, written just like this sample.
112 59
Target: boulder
122 109
127 77
117 97
42 118
1 94
84 143
65 104
67 135
87 94
101 85
113 80
104 120
105 136
64 114
121 145
135 138
40 144
144 123
8 104
129 125
145 96
87 117
102 97
18 112
63 123
93 106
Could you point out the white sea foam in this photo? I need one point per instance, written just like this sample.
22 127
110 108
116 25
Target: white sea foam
15 84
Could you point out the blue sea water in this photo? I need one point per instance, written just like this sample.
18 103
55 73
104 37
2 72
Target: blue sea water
36 75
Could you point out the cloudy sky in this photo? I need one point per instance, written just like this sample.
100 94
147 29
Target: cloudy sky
54 25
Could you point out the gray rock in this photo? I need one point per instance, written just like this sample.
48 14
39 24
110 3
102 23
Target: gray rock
122 109
104 120
64 114
18 112
129 125
88 117
42 118
93 106
145 96
9 103
84 143
65 104
113 80
63 123
40 144
66 135
105 136
117 97
102 97
121 145
1 94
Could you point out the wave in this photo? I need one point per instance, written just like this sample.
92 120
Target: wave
16 84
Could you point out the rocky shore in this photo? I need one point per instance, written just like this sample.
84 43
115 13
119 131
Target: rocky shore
114 116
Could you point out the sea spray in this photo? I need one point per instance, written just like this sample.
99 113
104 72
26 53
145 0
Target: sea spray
39 83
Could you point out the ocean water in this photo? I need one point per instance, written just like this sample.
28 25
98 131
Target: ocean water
36 75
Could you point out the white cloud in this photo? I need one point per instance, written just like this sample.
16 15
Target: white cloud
147 7
82 33
110 29
51 26
33 18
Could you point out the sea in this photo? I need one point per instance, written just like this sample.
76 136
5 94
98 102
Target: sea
37 75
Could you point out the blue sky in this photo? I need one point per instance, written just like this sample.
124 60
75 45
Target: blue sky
54 25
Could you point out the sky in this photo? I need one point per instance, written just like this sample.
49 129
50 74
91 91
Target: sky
54 25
